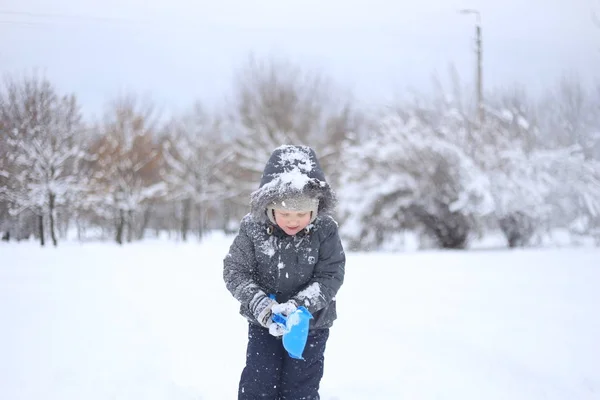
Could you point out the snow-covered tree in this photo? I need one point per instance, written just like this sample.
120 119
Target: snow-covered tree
4 174
195 157
125 172
571 119
41 138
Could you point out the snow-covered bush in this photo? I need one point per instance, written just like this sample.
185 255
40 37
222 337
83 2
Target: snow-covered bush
520 183
434 170
408 175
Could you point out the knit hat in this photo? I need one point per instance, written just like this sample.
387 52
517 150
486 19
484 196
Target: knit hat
294 203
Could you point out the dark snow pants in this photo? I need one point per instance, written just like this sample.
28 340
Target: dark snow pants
270 373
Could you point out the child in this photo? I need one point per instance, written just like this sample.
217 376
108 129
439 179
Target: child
287 246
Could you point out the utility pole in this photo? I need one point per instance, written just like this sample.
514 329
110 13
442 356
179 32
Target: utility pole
479 67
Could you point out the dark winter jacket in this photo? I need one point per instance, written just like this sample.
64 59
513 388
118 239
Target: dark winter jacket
308 267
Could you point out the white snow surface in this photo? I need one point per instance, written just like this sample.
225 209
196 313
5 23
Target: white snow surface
153 320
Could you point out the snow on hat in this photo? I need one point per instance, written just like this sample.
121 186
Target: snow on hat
294 203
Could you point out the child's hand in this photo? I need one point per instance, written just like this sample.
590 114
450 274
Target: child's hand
276 329
285 308
262 310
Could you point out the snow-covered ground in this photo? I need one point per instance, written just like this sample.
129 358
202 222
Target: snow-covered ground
153 320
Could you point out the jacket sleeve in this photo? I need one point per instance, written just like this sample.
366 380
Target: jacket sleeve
239 269
329 271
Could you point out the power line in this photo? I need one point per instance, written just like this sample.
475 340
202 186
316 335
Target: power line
65 16
24 23
36 19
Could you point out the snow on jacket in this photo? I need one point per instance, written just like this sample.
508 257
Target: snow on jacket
308 267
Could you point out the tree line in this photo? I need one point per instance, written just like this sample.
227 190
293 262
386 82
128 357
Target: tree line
426 165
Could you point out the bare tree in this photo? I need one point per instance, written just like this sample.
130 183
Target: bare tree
125 178
567 114
195 156
277 103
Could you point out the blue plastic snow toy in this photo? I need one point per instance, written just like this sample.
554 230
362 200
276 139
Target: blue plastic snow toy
296 327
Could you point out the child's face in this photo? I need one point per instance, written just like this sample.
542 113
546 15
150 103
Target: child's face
292 222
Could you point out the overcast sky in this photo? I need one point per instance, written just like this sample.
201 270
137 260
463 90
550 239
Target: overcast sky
180 51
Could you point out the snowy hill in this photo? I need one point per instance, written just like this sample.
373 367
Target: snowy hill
153 321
